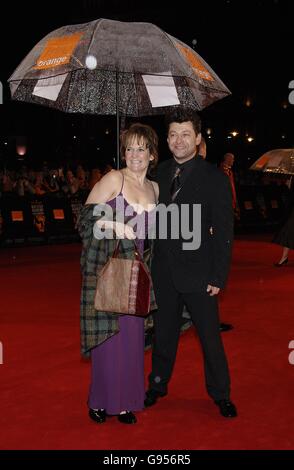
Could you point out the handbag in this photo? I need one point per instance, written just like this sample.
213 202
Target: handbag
123 285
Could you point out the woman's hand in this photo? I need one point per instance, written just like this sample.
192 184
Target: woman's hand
124 231
121 230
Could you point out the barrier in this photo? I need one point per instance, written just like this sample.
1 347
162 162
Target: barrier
33 219
25 219
261 206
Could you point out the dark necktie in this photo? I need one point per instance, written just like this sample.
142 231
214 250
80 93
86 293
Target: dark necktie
176 183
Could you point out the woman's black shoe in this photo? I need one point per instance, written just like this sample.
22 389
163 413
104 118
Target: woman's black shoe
278 265
99 416
127 418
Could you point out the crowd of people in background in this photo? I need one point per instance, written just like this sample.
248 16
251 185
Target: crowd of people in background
75 179
66 182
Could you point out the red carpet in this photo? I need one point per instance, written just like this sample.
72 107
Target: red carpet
44 383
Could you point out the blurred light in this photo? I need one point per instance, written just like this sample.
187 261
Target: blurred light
74 137
234 133
91 62
250 139
208 131
21 145
229 137
210 136
284 105
21 150
107 131
248 102
283 136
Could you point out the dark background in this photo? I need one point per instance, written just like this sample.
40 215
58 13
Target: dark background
249 44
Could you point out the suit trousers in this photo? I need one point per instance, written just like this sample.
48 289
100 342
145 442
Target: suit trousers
167 323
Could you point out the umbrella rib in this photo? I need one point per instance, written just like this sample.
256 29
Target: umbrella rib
97 24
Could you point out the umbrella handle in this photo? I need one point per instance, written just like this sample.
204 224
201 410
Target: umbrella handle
117 121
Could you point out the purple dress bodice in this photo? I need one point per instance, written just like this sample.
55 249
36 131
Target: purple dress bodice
144 220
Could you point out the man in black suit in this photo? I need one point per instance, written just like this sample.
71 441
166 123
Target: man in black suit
191 266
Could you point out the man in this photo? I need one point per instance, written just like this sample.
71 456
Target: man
202 148
191 277
226 167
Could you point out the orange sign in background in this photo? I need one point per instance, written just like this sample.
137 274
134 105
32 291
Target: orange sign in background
195 62
57 51
58 214
17 216
248 205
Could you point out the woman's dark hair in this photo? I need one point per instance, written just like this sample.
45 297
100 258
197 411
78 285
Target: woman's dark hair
183 115
138 131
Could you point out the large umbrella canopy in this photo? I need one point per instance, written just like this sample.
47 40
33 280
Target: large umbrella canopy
152 69
112 67
276 161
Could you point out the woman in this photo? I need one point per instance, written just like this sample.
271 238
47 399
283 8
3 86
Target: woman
116 342
285 236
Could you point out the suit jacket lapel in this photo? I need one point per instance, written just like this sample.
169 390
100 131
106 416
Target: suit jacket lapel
193 181
165 181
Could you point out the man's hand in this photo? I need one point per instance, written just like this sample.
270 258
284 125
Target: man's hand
213 290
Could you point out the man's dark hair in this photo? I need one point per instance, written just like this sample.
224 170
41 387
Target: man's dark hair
183 115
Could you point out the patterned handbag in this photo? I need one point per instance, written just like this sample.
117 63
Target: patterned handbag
123 285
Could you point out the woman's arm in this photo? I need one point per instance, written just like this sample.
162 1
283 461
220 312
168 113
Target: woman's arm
107 188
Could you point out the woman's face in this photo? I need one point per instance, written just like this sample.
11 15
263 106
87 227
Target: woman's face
137 155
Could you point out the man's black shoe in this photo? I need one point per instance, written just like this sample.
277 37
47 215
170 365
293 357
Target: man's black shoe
226 408
225 327
152 396
127 418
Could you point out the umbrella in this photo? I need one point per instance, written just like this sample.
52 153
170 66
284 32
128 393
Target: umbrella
115 68
276 161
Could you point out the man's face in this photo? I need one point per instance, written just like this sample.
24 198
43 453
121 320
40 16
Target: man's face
183 141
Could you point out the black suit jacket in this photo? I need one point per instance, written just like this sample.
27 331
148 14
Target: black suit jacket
193 269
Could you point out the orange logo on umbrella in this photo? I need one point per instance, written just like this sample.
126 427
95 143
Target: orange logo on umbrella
261 162
57 51
193 60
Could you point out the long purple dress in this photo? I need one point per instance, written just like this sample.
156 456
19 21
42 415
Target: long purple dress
117 376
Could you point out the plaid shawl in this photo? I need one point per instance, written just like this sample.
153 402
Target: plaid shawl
97 326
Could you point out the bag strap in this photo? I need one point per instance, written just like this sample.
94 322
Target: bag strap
155 197
136 252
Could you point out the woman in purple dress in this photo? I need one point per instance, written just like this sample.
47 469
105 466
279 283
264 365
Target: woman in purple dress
116 342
